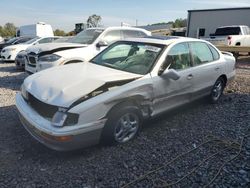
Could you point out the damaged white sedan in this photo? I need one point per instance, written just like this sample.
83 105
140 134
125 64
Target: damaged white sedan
107 99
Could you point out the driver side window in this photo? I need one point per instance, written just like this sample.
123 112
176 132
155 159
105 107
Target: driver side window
179 57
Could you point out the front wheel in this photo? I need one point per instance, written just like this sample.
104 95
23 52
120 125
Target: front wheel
122 125
217 90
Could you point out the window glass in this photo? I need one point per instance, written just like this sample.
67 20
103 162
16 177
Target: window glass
87 36
131 57
131 34
216 55
45 40
22 40
112 36
227 31
201 53
12 40
32 40
179 57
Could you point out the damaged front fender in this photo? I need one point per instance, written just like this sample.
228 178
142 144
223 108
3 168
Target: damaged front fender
139 91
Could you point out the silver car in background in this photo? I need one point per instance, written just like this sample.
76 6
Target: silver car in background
107 99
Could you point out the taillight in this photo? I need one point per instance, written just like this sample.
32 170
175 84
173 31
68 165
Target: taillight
229 40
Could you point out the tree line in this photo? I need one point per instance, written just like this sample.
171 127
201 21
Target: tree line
9 29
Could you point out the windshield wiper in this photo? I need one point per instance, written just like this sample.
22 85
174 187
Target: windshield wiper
109 65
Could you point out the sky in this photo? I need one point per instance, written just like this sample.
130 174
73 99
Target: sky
63 14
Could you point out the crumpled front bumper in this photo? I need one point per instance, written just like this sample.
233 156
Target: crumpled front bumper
61 139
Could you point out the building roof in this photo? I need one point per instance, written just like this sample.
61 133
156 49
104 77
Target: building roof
219 9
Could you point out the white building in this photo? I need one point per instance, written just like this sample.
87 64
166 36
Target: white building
202 23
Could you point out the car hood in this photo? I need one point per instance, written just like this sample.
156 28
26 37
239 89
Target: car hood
63 85
17 46
39 48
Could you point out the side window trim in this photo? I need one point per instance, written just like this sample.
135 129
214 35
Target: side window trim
210 48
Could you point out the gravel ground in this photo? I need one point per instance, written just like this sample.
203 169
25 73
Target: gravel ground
210 137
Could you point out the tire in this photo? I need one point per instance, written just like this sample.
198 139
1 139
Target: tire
217 90
123 124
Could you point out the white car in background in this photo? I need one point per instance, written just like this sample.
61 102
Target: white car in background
21 57
82 47
106 99
9 53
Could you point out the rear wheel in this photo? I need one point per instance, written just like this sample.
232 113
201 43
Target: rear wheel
122 125
217 90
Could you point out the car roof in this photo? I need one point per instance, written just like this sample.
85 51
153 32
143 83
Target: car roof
164 40
120 27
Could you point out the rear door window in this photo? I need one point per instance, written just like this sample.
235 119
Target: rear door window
201 53
228 31
215 53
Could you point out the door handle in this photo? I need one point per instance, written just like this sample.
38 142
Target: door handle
217 68
190 76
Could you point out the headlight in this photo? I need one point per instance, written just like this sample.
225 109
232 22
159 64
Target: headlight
49 58
10 49
63 118
24 93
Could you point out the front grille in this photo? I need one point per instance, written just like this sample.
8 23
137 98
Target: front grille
45 110
32 59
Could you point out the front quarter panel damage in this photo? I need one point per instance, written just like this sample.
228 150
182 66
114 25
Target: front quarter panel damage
139 91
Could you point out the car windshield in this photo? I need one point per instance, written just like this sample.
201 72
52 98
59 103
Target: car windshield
32 40
134 57
10 41
86 37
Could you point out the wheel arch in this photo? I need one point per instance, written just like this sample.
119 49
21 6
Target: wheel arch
73 60
224 77
138 101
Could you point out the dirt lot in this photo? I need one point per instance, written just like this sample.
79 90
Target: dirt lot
213 139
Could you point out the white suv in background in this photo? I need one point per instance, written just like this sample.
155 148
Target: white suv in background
80 48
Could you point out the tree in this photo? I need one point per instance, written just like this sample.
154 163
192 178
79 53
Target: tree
71 33
180 23
1 31
10 29
59 32
93 21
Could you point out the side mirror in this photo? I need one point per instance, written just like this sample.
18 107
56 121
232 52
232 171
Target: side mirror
171 74
101 44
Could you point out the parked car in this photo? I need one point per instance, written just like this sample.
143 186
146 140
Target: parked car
21 57
15 40
107 99
82 47
236 35
9 53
